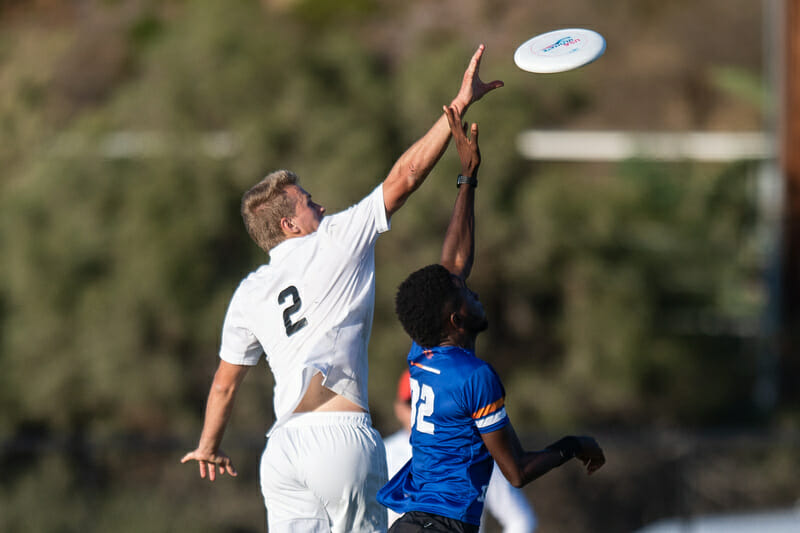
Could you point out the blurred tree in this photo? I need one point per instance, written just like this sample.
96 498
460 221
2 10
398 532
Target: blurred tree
620 295
615 280
643 284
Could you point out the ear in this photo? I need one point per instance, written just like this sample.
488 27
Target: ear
287 226
456 321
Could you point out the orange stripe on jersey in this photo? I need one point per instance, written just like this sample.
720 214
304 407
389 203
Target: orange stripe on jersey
489 409
427 368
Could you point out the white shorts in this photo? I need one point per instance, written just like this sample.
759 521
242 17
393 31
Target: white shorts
320 472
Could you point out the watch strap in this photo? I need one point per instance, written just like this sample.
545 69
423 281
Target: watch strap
469 180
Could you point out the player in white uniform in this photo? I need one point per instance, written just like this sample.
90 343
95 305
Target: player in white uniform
504 502
309 311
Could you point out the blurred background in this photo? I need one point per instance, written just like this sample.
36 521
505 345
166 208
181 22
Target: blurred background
641 279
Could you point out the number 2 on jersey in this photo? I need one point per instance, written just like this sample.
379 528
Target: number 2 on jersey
291 327
421 406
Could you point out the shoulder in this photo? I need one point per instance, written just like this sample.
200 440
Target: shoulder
468 363
253 280
369 208
482 372
254 286
480 381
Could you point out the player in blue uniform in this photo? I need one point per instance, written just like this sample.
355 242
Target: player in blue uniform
459 422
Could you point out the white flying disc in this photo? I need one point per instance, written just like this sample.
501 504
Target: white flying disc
560 50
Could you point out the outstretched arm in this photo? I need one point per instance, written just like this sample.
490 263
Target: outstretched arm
218 410
415 164
521 467
458 250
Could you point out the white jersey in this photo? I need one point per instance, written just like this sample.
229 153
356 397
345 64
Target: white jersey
508 505
398 452
310 308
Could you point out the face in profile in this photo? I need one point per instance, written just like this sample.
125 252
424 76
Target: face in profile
307 213
470 309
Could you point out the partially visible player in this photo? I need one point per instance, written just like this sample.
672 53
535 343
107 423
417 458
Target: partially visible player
507 504
309 311
459 425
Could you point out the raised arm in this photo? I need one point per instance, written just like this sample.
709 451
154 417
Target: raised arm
415 164
458 250
521 467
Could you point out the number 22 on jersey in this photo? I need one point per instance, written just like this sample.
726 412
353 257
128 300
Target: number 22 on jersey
421 407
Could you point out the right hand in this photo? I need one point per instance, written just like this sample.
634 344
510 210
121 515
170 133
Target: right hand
468 150
590 454
209 462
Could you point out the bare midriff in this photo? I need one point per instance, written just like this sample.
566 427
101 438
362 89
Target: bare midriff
319 399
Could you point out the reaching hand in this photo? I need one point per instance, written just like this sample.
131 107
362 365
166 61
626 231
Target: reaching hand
472 88
208 462
468 150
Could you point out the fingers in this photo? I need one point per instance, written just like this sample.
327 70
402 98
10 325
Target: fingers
454 119
475 62
485 88
220 466
472 88
591 454
203 465
470 131
453 114
208 466
227 466
192 456
593 461
449 112
593 466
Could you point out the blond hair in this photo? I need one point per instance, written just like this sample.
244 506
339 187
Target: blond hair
265 204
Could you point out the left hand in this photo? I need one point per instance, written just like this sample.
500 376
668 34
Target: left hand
209 462
591 455
472 88
468 150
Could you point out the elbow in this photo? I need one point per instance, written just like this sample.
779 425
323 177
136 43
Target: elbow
398 187
515 478
517 482
412 173
412 180
224 388
223 393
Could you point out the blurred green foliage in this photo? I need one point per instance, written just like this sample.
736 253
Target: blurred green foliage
619 295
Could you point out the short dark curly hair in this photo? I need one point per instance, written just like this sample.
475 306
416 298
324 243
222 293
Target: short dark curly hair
424 302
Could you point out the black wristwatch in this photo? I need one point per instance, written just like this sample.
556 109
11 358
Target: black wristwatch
469 180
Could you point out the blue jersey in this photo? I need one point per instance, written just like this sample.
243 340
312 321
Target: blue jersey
454 398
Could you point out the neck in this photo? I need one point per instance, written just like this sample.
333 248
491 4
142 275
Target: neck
462 340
